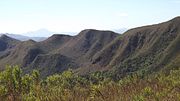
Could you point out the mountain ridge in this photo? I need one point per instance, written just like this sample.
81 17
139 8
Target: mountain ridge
143 49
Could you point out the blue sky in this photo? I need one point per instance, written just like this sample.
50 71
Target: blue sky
19 16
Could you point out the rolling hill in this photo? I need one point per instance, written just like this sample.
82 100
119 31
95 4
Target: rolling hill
144 49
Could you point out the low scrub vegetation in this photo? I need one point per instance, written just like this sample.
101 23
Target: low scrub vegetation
15 86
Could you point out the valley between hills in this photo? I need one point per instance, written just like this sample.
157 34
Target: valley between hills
142 64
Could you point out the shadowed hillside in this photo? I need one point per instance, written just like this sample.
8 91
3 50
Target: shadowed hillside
7 42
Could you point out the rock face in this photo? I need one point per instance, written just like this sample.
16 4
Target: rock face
148 48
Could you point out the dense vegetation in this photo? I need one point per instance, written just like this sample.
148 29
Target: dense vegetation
98 86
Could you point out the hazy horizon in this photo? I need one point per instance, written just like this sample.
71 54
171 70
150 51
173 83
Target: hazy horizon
21 16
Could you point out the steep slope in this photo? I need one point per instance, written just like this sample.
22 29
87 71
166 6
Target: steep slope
54 42
144 49
86 44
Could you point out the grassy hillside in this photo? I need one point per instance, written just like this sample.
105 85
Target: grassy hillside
145 49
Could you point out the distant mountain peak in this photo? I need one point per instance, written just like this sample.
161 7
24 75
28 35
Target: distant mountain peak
39 33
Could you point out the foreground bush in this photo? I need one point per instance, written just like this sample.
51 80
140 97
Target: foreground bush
14 86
